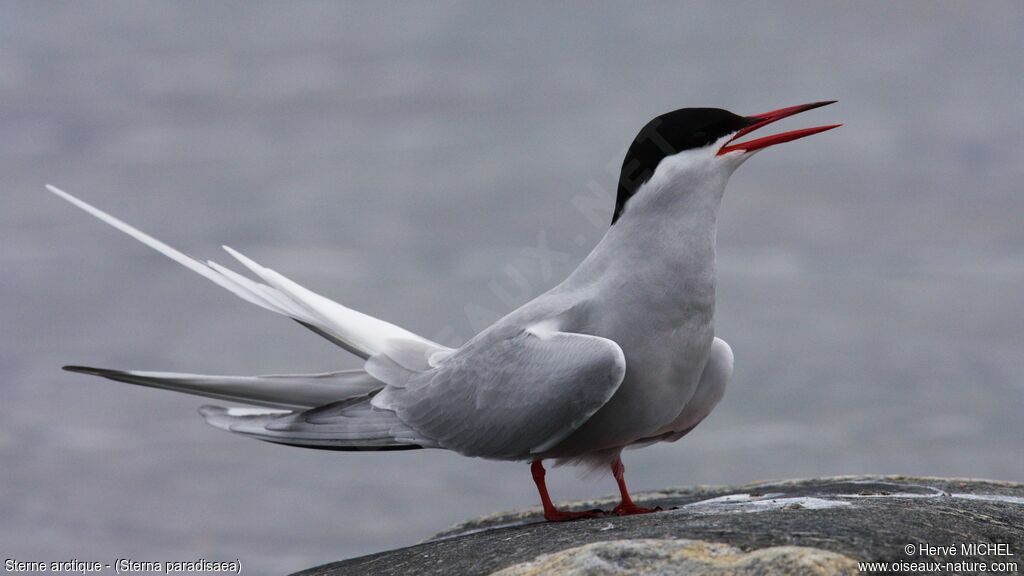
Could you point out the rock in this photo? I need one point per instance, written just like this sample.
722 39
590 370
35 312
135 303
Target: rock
820 526
682 558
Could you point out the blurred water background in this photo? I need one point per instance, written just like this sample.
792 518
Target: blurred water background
437 165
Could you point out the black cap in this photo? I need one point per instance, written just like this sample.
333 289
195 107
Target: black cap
670 134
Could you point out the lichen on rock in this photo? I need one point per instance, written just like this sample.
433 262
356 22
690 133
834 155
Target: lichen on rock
683 558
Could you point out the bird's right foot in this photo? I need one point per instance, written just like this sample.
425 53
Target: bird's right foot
630 509
566 515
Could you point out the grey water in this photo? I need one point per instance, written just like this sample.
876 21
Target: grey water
436 166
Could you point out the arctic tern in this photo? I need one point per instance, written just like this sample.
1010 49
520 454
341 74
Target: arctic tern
621 354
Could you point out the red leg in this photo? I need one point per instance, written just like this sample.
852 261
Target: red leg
552 514
626 507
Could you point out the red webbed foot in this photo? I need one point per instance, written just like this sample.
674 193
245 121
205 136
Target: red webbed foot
556 515
629 509
626 507
552 514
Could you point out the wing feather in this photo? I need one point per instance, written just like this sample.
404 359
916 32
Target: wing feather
510 394
287 391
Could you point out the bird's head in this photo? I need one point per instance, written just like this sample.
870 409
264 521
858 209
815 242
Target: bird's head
699 144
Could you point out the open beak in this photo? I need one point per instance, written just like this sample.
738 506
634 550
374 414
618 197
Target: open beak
759 120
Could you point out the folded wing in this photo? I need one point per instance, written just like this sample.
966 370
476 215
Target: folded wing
509 393
347 425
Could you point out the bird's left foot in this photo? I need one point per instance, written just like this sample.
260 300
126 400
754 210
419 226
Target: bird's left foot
631 509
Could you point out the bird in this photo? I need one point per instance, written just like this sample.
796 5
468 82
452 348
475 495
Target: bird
620 354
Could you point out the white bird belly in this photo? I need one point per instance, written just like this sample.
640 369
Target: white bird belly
660 380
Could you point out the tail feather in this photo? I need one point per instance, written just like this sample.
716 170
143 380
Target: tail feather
358 333
330 411
288 391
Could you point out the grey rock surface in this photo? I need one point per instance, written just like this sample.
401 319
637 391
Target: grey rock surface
683 558
802 526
